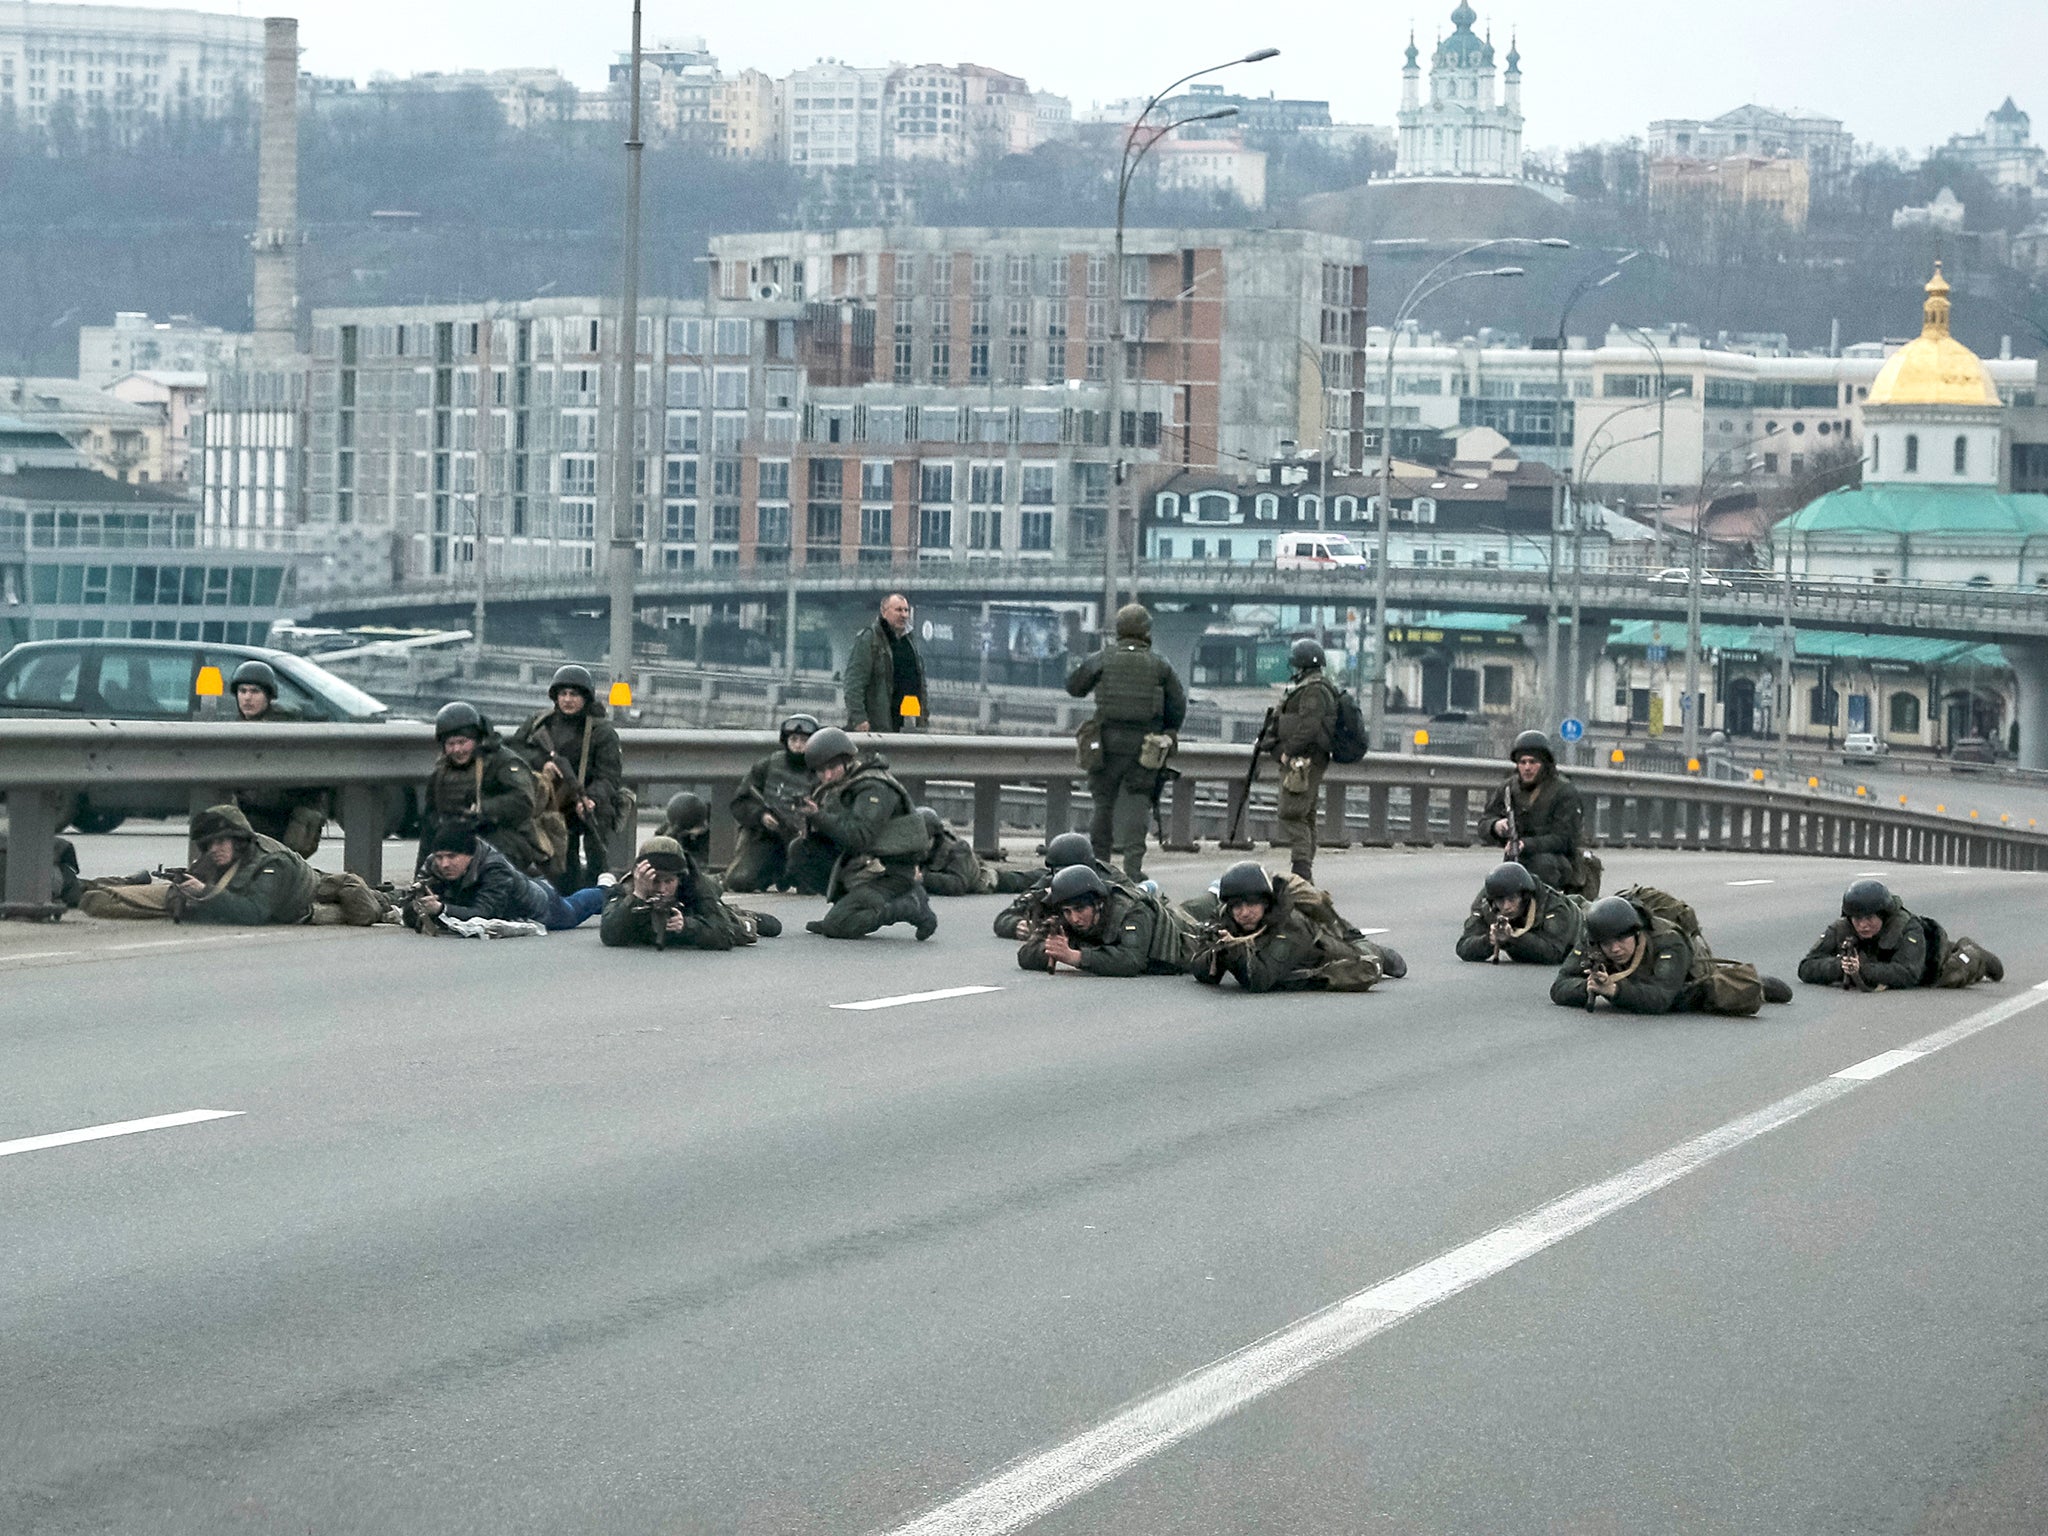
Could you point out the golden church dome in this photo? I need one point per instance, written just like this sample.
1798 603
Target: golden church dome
1936 369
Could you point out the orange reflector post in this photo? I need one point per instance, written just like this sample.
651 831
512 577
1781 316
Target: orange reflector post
913 707
1942 809
209 684
1422 738
1860 790
1692 765
1757 774
1973 815
621 696
1812 782
1617 757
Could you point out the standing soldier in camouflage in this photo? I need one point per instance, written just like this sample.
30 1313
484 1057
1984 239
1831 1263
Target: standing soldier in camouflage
767 808
1301 732
862 813
1139 708
1878 946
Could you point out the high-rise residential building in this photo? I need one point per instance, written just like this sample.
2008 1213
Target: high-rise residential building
1461 130
130 63
833 115
1254 333
134 343
1828 151
746 117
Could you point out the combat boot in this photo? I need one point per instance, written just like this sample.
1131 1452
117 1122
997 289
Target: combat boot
1304 869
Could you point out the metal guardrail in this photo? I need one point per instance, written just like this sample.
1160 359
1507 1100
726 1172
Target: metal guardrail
1384 800
1758 599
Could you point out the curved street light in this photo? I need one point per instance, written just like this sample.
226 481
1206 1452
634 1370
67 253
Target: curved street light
1134 153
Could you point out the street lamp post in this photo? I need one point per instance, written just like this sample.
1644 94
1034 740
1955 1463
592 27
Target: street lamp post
1435 280
621 555
1134 153
1562 473
1663 395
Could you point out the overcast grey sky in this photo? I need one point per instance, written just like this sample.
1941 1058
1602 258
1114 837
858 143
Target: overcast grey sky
1901 73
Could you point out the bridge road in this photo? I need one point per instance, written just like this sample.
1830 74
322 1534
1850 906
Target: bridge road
538 1237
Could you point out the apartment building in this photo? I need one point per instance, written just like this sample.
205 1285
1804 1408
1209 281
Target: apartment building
134 343
118 438
1256 333
833 115
130 63
746 117
1821 144
1721 409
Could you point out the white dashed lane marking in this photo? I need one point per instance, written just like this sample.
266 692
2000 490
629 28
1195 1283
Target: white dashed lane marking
913 997
117 1128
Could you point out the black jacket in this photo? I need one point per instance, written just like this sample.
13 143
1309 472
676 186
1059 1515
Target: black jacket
1549 821
492 886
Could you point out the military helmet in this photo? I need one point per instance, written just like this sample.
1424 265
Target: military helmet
459 719
1611 918
256 674
1247 881
1076 886
828 746
1069 848
218 821
933 821
1507 880
1304 654
573 676
797 725
1134 622
1866 898
1532 744
686 810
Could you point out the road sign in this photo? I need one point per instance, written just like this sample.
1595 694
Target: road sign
1656 653
1572 730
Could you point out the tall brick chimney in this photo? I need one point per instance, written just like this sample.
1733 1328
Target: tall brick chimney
276 241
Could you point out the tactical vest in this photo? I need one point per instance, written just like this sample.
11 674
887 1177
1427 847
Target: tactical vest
904 835
1132 689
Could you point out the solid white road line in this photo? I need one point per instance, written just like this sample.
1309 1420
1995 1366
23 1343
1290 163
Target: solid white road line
1752 882
914 997
118 1128
1040 1483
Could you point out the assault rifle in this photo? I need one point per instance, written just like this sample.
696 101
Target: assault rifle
1850 981
173 873
1596 972
657 913
1267 728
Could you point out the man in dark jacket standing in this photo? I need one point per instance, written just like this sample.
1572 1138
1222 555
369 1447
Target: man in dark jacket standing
1139 707
1302 734
481 779
1536 816
883 670
863 813
575 750
1878 946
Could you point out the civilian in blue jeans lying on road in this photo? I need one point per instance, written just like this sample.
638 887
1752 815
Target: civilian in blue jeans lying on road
464 876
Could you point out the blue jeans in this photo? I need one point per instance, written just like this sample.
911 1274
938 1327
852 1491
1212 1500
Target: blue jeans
574 910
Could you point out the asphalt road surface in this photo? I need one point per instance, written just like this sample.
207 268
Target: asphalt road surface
536 1237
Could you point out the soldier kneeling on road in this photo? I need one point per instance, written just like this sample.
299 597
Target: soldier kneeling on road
1517 917
1643 952
1104 930
877 837
1279 937
463 876
669 902
1029 909
1877 946
952 868
236 876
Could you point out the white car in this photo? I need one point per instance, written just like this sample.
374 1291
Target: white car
1316 552
1863 744
1679 575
